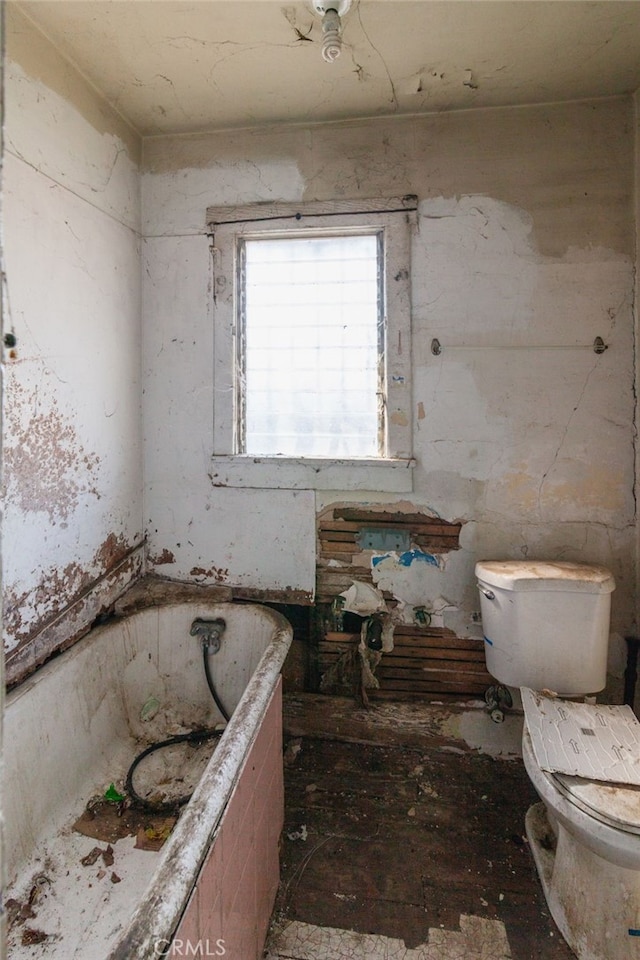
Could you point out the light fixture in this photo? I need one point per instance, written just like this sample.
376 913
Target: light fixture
331 12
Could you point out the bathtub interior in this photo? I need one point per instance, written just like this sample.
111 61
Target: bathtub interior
169 671
76 725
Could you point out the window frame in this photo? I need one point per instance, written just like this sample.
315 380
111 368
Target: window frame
393 218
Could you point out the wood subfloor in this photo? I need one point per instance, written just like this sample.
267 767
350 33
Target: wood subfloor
399 830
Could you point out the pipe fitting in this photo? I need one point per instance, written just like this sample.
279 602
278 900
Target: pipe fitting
210 633
331 39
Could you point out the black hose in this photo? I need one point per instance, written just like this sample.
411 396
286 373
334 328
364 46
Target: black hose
211 685
165 806
195 736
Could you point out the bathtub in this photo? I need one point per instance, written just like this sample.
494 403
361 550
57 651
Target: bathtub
73 729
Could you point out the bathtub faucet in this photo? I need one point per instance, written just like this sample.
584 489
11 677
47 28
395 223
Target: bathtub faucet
210 632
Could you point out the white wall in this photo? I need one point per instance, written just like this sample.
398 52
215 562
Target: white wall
72 428
525 241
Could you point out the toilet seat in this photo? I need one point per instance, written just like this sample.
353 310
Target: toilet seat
576 746
614 804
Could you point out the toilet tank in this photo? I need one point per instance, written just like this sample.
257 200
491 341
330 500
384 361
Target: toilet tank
546 625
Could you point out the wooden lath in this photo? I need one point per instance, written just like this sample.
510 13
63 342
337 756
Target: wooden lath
424 662
338 537
338 534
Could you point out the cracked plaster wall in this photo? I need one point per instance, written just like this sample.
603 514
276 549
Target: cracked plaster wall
71 417
525 242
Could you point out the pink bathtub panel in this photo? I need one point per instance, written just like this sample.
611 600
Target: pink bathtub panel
232 822
271 788
266 876
208 888
277 799
251 795
211 924
269 762
238 915
268 830
235 870
238 882
188 928
247 918
245 792
238 840
276 818
278 821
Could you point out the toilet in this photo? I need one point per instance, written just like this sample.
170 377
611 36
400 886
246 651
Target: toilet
546 627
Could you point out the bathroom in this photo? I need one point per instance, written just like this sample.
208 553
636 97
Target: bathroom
124 123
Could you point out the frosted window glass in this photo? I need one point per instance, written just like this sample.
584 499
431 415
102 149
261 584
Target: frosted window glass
313 351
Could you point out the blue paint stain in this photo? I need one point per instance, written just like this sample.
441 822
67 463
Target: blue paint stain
490 642
407 558
376 560
410 556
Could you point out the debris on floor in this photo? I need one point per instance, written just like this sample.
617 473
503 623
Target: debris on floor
477 939
414 842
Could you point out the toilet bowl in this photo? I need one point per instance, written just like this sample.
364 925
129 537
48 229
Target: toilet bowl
585 839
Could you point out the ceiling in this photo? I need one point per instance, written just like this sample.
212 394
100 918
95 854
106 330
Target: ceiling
177 66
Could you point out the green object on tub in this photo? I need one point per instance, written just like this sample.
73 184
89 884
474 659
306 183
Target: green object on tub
149 709
112 795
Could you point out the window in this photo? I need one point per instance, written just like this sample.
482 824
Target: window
312 342
311 312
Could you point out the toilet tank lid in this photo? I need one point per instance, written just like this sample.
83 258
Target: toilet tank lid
545 575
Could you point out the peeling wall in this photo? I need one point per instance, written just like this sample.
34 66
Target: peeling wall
524 253
398 538
248 538
72 525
